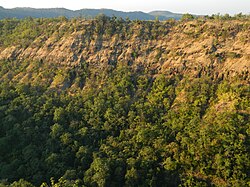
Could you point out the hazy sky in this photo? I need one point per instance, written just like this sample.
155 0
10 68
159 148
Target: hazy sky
182 6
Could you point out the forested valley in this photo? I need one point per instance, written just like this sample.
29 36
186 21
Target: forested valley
112 102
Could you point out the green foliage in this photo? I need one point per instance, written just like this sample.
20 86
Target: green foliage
119 125
187 17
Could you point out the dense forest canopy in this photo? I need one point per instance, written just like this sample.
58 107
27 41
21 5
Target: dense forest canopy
114 102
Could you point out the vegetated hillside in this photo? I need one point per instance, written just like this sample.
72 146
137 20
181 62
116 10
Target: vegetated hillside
87 13
109 102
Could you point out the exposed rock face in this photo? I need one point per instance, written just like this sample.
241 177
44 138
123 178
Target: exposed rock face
193 48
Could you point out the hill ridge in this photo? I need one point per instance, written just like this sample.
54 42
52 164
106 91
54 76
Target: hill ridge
21 12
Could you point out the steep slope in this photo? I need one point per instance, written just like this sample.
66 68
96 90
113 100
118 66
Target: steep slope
113 102
192 48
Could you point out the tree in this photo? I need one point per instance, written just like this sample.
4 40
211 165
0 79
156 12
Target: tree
187 17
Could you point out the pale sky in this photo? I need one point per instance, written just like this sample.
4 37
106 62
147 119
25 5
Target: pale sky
178 6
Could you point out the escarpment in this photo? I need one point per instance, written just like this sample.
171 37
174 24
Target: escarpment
192 48
113 102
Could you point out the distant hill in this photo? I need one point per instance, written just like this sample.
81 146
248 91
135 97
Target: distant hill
165 14
55 12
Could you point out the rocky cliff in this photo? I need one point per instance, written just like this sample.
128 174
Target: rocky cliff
192 48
